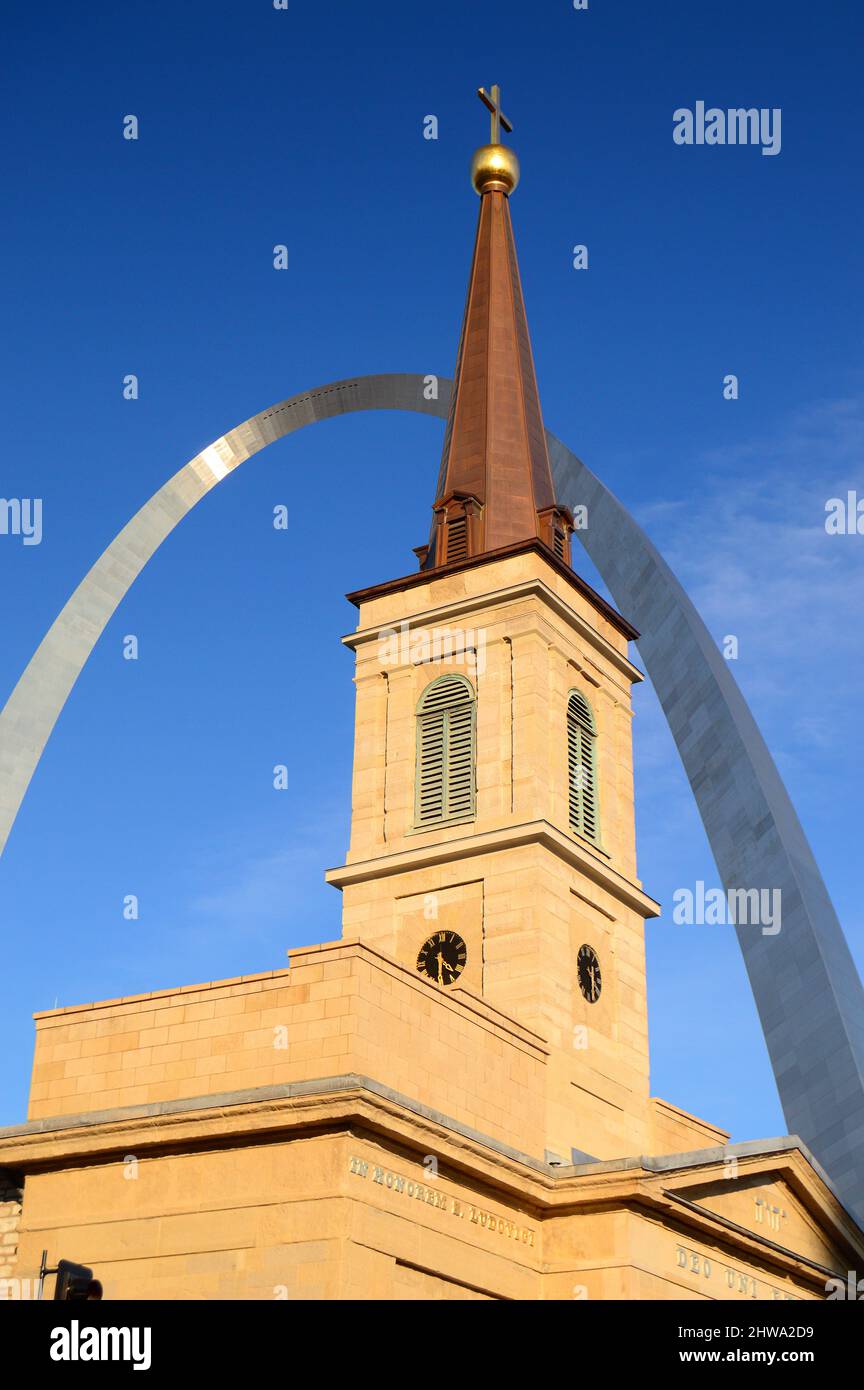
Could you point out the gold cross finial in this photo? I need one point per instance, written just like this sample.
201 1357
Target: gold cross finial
493 103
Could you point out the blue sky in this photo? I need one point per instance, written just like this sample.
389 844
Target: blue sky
304 127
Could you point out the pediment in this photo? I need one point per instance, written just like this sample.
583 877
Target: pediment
783 1204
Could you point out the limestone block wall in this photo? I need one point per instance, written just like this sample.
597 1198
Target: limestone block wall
673 1130
343 1008
247 1222
340 1008
523 637
523 922
347 1207
327 1216
11 1196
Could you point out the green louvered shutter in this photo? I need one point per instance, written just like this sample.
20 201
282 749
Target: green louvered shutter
582 768
445 752
430 767
460 760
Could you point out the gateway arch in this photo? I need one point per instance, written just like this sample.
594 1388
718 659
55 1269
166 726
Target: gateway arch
807 990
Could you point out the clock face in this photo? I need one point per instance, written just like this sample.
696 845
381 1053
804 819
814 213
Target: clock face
442 958
590 979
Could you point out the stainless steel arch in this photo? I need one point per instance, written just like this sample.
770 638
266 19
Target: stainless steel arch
35 704
807 990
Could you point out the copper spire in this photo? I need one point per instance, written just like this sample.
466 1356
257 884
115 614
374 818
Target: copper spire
495 483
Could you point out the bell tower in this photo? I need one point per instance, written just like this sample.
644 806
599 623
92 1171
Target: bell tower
492 841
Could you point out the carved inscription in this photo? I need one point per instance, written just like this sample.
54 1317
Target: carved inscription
406 1187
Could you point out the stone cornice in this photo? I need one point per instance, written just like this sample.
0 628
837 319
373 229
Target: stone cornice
488 557
363 1107
441 615
538 832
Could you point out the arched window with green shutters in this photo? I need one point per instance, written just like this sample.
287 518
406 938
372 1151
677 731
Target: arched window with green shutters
445 752
582 767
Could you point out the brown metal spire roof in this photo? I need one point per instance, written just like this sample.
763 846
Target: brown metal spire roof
495 484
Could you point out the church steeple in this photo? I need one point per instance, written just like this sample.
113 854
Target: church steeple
495 483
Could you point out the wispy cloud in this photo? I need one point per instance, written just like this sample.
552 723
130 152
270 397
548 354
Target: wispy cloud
255 889
750 546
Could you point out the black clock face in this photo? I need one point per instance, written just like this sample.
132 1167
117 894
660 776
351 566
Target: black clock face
590 979
442 958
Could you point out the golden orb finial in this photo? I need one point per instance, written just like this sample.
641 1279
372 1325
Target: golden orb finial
494 168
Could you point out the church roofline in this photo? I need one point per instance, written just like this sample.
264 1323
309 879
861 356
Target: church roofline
699 1158
53 1125
487 557
50 1142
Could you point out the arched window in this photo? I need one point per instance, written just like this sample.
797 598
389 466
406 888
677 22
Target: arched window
582 767
445 752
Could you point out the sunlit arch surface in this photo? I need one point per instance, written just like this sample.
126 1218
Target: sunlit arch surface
35 704
807 990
